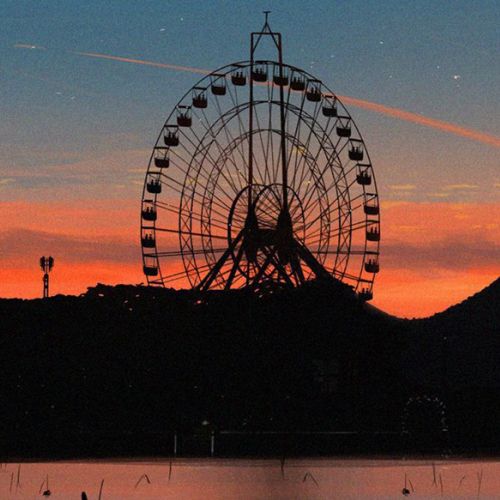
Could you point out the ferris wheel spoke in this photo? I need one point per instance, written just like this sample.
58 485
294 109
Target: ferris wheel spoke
326 144
309 136
230 139
175 211
329 209
180 253
188 180
240 126
213 161
226 153
263 178
205 123
169 278
353 227
269 142
330 188
333 204
180 191
352 277
190 233
274 167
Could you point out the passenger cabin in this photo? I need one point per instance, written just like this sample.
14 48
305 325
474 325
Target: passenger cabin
184 118
161 159
148 240
363 177
199 98
365 294
150 270
372 266
149 212
373 234
259 73
344 126
150 265
154 186
280 80
171 137
356 151
298 83
371 208
238 78
313 92
218 85
329 106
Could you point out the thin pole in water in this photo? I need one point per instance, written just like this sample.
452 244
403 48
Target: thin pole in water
479 481
100 490
18 482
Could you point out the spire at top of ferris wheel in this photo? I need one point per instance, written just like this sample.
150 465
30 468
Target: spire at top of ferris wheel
266 24
266 30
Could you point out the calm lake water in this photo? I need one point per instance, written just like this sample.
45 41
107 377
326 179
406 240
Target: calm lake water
253 479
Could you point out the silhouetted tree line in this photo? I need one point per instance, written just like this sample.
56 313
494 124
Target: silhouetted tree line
119 369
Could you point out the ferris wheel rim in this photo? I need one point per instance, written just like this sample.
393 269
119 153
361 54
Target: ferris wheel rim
223 72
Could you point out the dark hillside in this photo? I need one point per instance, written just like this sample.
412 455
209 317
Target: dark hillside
120 369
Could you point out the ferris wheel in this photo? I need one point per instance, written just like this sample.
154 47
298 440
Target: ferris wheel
260 178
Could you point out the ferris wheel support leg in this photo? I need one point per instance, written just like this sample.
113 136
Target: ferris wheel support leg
311 261
209 278
262 270
234 268
297 270
281 271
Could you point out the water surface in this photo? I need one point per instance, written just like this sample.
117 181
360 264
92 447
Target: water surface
253 479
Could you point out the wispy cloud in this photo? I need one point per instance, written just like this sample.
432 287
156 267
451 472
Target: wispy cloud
402 187
70 248
451 253
460 187
438 195
5 181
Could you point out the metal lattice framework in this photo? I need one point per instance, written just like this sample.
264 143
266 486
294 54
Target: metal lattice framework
259 178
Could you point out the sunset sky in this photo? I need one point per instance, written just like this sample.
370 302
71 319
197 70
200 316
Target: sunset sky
421 80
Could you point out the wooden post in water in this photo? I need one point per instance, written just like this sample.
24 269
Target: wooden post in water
212 444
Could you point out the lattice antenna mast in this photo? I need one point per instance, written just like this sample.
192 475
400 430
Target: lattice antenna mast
255 39
46 265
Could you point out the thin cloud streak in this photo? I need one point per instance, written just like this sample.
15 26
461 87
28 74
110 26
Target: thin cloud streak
443 126
141 61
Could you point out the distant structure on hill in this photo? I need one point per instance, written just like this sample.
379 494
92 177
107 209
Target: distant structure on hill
262 174
46 264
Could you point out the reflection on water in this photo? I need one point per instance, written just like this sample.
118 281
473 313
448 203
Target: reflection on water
253 479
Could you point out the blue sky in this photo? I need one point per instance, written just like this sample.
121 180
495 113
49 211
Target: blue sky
440 59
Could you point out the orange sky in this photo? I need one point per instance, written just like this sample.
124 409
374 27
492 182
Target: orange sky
432 256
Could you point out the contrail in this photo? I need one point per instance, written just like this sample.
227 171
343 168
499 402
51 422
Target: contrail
401 114
141 61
